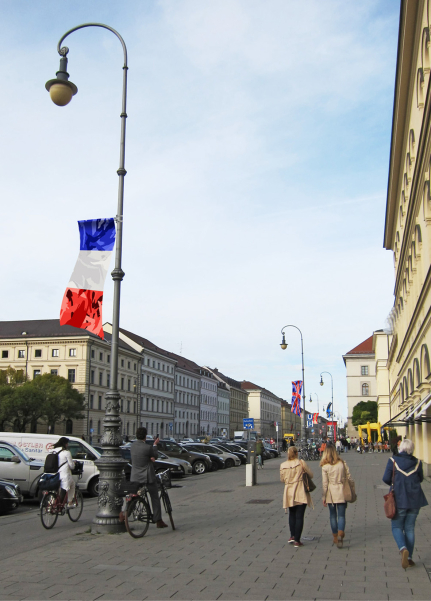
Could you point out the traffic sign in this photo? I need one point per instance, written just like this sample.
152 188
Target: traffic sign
171 426
248 423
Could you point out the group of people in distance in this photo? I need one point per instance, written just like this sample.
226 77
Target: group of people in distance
403 471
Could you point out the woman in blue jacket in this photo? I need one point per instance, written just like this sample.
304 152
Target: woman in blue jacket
409 498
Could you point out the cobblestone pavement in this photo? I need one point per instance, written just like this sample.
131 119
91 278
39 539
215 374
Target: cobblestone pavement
226 547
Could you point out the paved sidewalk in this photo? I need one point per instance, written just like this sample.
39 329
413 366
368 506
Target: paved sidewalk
228 548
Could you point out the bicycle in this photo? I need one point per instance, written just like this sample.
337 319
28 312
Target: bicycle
138 514
51 506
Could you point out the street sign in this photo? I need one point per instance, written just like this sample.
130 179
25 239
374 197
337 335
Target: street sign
276 427
91 430
312 431
248 423
171 426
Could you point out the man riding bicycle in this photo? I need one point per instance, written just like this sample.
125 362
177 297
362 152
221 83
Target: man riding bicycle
143 457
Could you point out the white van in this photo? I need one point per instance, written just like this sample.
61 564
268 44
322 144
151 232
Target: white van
37 446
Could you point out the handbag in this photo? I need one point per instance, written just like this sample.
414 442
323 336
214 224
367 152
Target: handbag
390 506
49 482
349 491
308 482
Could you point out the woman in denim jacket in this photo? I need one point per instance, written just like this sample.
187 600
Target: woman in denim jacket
409 498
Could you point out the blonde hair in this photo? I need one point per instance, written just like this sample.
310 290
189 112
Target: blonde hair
292 453
330 456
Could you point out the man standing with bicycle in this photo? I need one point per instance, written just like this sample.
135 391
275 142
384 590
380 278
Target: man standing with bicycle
143 456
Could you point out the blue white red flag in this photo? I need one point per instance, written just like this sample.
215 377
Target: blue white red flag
296 397
82 301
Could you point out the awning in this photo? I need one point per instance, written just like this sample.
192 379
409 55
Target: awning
416 409
411 416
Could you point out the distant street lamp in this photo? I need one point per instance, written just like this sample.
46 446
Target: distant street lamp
311 400
284 347
332 398
111 463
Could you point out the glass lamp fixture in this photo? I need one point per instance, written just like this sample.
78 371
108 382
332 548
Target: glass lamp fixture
283 343
321 381
61 89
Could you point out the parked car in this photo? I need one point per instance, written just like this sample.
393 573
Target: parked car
187 440
160 465
185 466
98 448
200 462
271 451
217 461
17 467
10 496
230 460
240 453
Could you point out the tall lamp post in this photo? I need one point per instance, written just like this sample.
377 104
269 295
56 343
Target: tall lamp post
284 347
111 463
332 398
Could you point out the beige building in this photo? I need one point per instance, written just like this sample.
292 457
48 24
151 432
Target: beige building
290 422
238 401
404 391
361 379
44 346
264 407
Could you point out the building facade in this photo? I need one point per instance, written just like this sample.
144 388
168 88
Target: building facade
264 407
223 405
43 346
187 398
238 401
361 379
407 384
290 422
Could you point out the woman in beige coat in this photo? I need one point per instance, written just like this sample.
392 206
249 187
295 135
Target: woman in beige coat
295 497
334 473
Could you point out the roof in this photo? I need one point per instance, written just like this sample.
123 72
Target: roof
365 348
226 379
245 385
49 328
144 342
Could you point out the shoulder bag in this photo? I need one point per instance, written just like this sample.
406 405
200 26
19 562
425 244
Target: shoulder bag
349 491
308 482
390 505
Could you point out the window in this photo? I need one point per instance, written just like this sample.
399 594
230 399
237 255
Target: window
134 367
108 358
54 372
158 365
38 352
134 408
72 352
122 383
365 390
92 376
99 402
122 362
100 379
92 353
55 352
98 427
108 380
21 354
71 375
36 372
128 364
364 370
122 405
128 384
154 365
91 401
100 356
128 406
4 354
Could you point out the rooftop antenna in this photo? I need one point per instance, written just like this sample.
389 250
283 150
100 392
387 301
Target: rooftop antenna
181 347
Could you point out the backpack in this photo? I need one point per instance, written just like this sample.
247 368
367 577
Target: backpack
51 463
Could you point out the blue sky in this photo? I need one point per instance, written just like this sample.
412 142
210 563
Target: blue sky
257 157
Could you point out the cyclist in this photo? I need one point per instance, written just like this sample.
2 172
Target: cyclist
143 457
66 465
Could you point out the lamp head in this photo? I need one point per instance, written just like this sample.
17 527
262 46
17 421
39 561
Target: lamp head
321 381
61 89
310 399
283 343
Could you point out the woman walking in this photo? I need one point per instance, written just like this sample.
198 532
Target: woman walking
66 465
334 474
405 473
295 497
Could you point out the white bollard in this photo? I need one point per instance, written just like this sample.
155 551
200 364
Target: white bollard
250 479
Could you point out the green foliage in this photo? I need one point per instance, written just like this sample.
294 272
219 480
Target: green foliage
49 398
363 412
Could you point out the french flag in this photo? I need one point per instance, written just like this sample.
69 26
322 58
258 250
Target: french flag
82 301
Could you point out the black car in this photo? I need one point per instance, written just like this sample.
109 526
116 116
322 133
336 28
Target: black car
10 496
200 461
159 465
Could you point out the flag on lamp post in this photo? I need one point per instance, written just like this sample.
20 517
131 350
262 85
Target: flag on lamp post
82 301
296 397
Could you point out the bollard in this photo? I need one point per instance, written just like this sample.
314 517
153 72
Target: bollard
250 468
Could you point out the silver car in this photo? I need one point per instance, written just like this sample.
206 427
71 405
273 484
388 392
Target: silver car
186 467
229 459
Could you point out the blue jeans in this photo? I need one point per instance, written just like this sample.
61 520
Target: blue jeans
403 529
340 522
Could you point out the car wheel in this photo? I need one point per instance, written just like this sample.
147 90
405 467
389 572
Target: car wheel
93 487
214 466
229 463
199 468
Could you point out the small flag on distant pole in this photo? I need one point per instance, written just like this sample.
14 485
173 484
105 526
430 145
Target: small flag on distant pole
82 301
296 397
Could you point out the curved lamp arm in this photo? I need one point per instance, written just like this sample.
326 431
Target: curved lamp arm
63 51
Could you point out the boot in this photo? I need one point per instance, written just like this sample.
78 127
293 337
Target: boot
334 538
161 524
340 539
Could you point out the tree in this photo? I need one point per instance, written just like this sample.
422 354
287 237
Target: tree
28 406
6 406
363 412
59 399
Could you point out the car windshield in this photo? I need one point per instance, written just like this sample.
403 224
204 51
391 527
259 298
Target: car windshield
23 455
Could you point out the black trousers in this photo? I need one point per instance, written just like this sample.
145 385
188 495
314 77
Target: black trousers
155 502
296 520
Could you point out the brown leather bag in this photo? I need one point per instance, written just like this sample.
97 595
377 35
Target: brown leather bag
349 491
390 505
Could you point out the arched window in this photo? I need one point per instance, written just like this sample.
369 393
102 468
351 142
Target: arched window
365 390
410 378
425 361
407 392
416 373
420 80
418 234
69 426
402 393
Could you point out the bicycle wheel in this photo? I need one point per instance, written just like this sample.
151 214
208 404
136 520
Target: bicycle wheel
48 511
168 507
74 513
137 517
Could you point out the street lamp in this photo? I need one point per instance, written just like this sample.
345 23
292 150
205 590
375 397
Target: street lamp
111 463
284 347
311 400
332 398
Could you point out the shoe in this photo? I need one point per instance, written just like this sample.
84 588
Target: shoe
121 517
340 539
411 563
161 524
71 505
291 540
404 558
335 538
298 544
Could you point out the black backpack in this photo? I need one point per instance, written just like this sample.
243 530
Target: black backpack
51 463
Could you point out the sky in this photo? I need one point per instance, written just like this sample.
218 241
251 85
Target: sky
257 155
